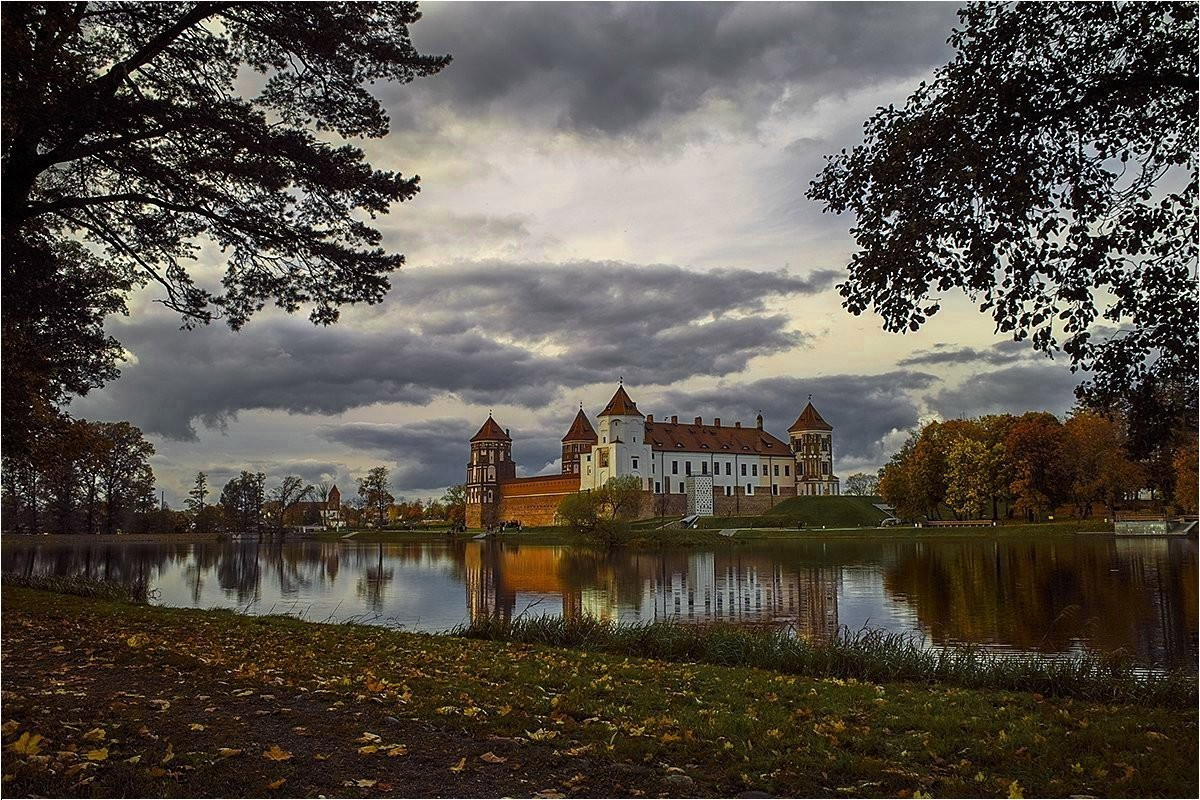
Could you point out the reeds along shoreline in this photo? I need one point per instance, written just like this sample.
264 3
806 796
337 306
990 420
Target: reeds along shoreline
123 591
874 656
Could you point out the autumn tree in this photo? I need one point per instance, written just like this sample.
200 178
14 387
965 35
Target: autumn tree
1187 465
455 501
242 502
602 515
1050 173
1097 467
375 490
897 484
861 484
137 134
1034 447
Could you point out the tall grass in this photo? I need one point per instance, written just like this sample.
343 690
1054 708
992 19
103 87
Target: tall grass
867 655
128 592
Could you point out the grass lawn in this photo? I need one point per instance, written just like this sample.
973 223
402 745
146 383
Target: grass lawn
146 701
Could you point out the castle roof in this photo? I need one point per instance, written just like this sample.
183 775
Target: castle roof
581 430
620 406
491 432
720 439
809 420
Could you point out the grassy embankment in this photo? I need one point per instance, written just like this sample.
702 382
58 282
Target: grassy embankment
138 700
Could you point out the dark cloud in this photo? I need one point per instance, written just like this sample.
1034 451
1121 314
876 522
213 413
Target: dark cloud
1006 352
863 409
1045 386
434 453
627 69
486 333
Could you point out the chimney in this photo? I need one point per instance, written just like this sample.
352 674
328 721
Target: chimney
717 421
737 424
674 419
698 422
649 418
506 432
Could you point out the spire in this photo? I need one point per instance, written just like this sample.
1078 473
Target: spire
581 430
491 432
620 405
810 420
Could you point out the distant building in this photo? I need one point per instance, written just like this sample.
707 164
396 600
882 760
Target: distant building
746 470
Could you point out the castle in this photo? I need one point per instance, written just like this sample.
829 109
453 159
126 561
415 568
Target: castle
684 467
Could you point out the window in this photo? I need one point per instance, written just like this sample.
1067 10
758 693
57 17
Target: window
825 467
674 467
749 488
776 470
603 459
687 468
635 466
653 467
787 470
703 467
743 470
729 491
775 489
754 470
681 489
657 487
728 468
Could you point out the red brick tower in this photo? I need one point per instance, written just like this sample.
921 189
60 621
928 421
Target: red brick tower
491 462
579 440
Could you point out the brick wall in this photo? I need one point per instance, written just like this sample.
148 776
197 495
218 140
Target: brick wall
534 501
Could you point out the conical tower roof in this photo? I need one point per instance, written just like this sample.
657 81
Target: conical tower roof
809 420
491 432
581 430
620 405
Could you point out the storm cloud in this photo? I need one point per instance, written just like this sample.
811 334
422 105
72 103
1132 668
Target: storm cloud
630 70
485 333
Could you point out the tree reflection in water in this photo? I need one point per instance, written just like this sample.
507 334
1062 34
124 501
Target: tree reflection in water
1052 596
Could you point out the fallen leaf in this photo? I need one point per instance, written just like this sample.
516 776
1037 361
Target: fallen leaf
9 727
137 640
504 710
460 766
27 745
196 726
365 783
320 756
277 784
98 755
169 756
163 705
1015 792
444 710
156 772
228 752
492 758
398 750
94 735
276 753
367 750
133 760
541 734
470 711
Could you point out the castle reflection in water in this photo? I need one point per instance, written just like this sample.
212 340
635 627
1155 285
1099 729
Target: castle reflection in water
1058 595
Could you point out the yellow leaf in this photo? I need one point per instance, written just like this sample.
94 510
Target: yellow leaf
196 726
470 711
367 738
9 727
137 640
277 784
366 750
27 745
504 710
98 755
1077 768
397 750
365 783
133 760
460 766
169 755
276 753
670 737
447 710
228 752
94 735
320 756
492 758
1015 792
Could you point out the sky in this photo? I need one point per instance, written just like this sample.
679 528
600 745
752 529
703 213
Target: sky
607 191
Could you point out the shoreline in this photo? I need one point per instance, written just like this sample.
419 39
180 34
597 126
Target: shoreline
232 705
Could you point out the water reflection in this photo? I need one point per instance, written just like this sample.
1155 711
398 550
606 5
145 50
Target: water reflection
1136 595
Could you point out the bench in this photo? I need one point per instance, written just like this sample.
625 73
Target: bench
958 523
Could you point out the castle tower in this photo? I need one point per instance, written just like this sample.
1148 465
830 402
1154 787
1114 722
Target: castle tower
491 462
622 449
579 440
812 442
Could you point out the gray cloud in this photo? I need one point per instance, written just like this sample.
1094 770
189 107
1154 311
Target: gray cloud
1044 386
477 332
629 69
1006 352
863 409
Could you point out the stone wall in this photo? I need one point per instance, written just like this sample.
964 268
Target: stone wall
534 501
739 505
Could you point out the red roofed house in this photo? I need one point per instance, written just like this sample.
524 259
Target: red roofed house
746 470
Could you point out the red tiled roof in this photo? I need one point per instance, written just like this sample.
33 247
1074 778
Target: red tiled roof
684 438
810 420
620 406
491 432
581 430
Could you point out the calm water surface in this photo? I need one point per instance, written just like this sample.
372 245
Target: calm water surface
1056 596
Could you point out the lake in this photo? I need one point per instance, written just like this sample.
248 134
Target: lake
1054 596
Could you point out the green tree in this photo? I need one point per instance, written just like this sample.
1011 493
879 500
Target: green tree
1050 172
126 479
197 494
375 490
602 515
862 484
242 502
147 130
455 501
